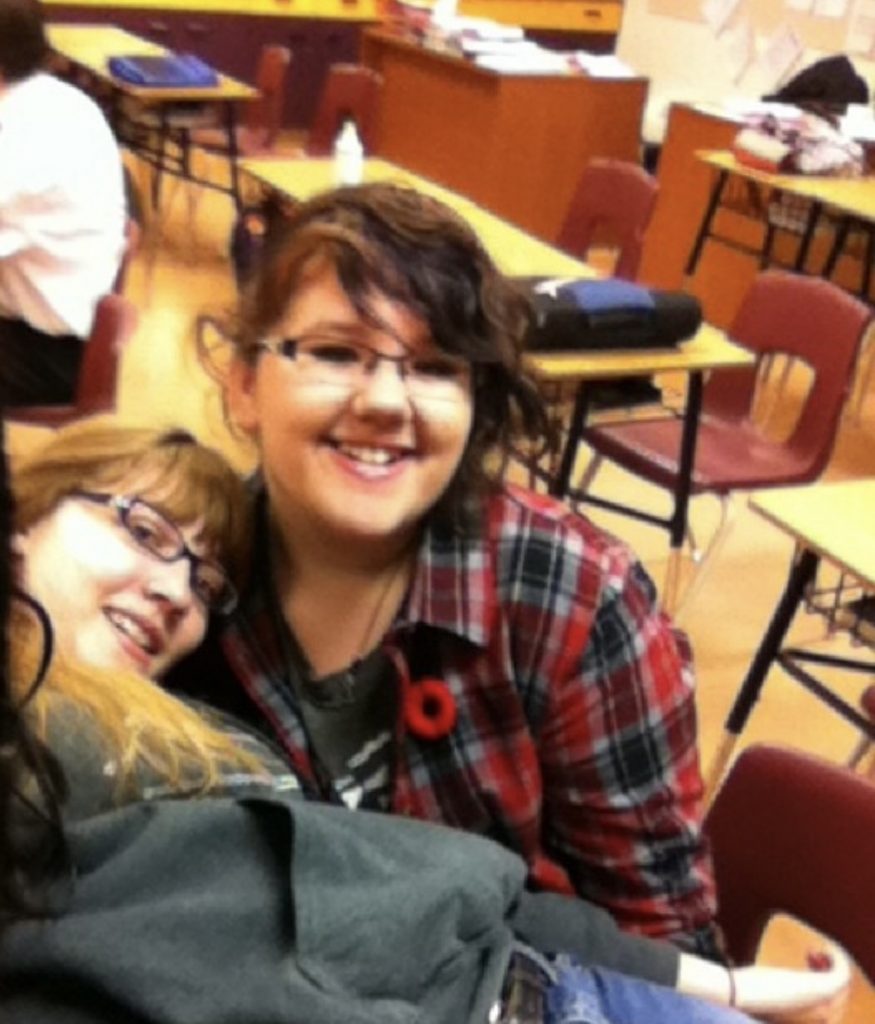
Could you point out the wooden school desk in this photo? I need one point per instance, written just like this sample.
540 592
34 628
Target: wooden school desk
519 254
88 49
831 522
515 143
516 252
709 349
849 197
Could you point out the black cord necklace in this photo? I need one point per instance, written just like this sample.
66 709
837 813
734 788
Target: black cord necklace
336 689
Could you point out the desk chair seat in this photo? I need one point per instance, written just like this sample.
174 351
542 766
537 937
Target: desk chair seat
803 318
793 834
730 456
114 321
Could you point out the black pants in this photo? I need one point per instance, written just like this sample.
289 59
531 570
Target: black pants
37 368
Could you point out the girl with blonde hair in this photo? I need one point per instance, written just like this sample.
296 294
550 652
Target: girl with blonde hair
128 538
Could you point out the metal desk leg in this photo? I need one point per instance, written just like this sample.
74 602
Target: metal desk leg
163 135
866 281
231 129
805 244
838 245
559 485
801 573
705 227
771 231
683 487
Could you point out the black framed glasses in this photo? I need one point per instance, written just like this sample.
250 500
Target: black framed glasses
346 363
152 531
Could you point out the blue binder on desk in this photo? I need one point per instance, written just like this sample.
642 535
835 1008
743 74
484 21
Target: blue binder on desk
170 70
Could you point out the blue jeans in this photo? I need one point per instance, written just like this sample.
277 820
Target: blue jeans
592 995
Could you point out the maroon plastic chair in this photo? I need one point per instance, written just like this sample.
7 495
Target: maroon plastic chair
793 834
115 318
615 197
350 91
257 134
804 318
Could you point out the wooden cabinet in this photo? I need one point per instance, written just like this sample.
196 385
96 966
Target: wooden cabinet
516 144
232 42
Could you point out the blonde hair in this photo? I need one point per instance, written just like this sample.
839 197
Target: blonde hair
172 471
144 726
147 731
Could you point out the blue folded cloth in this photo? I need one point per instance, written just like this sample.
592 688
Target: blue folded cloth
164 70
611 293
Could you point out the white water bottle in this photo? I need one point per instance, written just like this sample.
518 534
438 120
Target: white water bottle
348 155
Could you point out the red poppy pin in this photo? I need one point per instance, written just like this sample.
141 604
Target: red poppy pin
430 709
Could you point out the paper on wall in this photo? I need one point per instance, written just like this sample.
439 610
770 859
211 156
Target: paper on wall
738 48
861 33
718 12
831 8
782 50
798 5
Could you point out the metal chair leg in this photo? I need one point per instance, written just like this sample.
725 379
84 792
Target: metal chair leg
864 745
695 550
589 473
728 511
863 376
717 769
671 583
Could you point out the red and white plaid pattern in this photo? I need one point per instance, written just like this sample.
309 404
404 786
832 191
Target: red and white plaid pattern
575 741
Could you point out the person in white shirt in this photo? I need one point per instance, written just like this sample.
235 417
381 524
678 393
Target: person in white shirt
62 215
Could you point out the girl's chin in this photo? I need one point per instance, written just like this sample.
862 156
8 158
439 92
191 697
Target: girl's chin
118 656
372 531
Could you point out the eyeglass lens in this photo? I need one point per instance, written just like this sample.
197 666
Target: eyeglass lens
159 536
344 363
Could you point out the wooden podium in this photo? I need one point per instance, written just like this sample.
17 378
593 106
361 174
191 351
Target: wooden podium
516 144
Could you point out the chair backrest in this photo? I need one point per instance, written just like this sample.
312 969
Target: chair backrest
616 197
264 116
350 91
791 833
805 318
114 322
115 318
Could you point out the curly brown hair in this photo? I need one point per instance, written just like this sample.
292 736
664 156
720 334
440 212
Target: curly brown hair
388 239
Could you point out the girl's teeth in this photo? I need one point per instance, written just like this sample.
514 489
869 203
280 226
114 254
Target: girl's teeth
373 456
131 629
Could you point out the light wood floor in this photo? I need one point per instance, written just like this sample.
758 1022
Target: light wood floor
186 272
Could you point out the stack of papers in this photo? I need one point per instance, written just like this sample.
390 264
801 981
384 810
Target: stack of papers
497 47
525 61
601 65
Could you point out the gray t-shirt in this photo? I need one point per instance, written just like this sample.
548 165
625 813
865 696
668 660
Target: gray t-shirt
349 718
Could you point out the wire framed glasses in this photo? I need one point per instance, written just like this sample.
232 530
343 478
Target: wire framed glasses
151 530
346 364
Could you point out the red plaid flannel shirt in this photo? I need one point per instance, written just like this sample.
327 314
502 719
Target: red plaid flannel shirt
575 741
